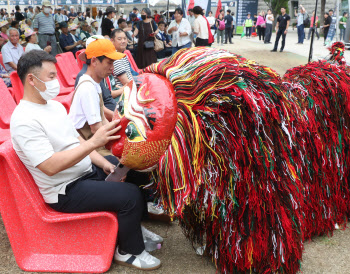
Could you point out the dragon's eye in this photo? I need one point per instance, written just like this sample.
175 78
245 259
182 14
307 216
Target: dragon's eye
133 133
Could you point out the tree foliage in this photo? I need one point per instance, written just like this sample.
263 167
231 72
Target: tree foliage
276 5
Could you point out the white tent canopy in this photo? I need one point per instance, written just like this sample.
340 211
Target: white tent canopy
164 2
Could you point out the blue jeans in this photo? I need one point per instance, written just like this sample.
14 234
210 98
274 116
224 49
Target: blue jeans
342 34
301 34
188 45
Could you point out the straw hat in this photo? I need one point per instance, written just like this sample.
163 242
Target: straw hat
28 32
72 27
3 23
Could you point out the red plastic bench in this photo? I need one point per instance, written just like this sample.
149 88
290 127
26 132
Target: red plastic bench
7 106
80 63
2 60
4 136
132 61
64 99
44 240
67 68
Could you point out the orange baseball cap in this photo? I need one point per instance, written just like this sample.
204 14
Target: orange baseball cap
101 47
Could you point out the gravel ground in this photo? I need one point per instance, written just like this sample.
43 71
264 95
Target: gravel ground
321 255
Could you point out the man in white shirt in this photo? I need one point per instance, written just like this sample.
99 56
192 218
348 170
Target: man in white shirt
191 19
269 22
69 172
180 28
200 28
12 50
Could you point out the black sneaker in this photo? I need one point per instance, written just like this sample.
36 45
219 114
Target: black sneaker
274 50
281 50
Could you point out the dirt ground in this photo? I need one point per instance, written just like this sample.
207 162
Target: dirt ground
321 255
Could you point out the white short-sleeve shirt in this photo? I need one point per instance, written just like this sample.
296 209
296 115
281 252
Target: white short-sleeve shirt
85 106
201 27
184 26
31 46
37 132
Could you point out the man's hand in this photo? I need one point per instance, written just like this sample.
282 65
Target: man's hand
108 168
105 134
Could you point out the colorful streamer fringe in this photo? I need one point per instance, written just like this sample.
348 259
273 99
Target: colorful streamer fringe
257 164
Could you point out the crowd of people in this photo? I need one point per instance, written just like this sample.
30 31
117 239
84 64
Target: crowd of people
150 37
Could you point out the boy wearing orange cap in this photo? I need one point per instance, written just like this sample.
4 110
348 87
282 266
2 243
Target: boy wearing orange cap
87 115
69 172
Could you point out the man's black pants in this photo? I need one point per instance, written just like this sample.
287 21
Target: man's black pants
228 35
280 33
92 193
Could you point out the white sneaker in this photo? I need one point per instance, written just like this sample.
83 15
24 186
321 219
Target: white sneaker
149 235
154 209
144 261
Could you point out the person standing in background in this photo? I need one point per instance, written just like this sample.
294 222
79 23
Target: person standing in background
282 29
200 28
342 26
313 27
147 29
326 25
107 25
228 27
211 20
58 16
18 15
191 19
156 16
181 30
268 31
233 23
30 13
261 25
44 25
248 24
220 26
301 16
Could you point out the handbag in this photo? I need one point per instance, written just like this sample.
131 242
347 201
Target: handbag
158 44
148 44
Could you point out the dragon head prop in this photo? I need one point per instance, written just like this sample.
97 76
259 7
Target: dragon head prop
147 116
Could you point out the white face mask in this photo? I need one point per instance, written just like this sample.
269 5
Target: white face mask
52 89
47 10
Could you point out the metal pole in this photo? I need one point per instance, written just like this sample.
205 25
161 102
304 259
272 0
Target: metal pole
313 34
337 34
167 13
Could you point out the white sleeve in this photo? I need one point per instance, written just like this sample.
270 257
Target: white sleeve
188 27
32 140
90 103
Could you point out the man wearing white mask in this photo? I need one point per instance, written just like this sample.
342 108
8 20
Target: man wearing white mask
69 172
44 25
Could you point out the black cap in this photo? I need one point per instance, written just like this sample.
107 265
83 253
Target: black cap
110 9
63 25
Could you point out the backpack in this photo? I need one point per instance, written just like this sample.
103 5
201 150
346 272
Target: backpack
221 24
306 21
